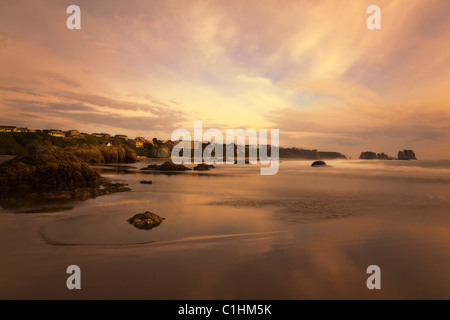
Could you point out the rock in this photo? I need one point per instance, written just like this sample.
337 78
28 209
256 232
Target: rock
167 166
146 182
170 166
319 164
382 156
406 155
160 151
53 174
203 167
151 167
369 155
103 154
146 221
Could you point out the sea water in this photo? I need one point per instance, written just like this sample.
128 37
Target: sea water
230 233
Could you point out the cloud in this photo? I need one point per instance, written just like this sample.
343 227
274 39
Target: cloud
310 68
63 79
21 90
84 112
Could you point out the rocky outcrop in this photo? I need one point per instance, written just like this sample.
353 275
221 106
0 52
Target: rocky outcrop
160 151
318 164
406 155
167 166
203 167
89 153
369 155
146 220
103 154
170 166
53 174
383 156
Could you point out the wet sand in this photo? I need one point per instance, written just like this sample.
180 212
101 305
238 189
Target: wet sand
233 234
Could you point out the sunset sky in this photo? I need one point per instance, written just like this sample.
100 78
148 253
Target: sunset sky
311 69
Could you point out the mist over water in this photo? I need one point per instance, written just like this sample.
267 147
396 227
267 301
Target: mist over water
230 233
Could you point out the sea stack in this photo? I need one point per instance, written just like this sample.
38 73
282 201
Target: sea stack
406 155
369 155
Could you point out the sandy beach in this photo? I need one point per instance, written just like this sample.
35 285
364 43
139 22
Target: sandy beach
306 233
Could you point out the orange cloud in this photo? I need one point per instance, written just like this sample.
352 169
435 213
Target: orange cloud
310 68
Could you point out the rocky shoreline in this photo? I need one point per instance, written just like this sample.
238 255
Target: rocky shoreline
53 174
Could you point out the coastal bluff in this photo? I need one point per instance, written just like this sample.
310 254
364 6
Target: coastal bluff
309 154
91 149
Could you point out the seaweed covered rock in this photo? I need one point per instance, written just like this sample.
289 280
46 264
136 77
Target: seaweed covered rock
167 166
170 166
53 174
146 220
203 167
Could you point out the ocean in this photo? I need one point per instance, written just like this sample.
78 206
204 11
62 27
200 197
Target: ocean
230 233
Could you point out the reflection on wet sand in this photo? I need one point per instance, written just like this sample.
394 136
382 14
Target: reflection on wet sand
302 234
37 205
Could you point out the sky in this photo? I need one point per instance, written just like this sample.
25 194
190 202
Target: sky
311 69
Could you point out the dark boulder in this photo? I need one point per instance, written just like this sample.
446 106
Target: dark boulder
203 167
319 163
146 182
167 166
146 221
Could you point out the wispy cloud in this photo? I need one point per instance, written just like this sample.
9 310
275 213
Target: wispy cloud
309 68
